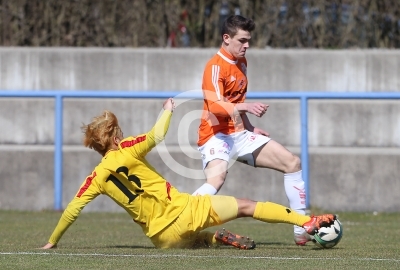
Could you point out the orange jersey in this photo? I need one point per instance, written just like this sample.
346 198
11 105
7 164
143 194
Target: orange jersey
224 85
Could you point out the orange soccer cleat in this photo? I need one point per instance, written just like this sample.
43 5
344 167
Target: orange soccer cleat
317 222
235 240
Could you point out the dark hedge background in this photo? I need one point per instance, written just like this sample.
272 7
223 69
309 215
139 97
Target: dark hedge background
178 23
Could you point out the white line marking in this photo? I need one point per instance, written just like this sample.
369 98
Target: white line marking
195 256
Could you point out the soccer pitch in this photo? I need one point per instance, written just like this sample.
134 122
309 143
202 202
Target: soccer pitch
113 241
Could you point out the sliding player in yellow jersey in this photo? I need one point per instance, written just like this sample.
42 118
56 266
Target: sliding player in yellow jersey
171 219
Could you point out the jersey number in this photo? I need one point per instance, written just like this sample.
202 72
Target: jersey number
133 178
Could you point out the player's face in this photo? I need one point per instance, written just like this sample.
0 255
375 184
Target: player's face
238 44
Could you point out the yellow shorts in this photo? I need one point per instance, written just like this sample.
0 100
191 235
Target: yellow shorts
200 213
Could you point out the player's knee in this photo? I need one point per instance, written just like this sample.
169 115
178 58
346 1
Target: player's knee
246 207
293 165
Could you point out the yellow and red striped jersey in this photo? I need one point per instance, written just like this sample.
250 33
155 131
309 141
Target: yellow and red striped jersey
127 178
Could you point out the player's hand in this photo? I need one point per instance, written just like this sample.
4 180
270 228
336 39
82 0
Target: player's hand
257 108
169 104
49 246
260 131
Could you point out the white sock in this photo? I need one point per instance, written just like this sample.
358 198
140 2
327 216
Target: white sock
296 194
205 189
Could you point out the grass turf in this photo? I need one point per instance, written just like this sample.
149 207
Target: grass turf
113 241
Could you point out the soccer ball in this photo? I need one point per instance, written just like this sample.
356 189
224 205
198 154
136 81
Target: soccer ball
328 237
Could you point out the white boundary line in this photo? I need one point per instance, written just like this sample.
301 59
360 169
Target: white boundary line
195 256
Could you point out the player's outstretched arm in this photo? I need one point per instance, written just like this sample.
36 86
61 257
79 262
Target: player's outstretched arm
160 129
145 142
71 213
169 104
49 246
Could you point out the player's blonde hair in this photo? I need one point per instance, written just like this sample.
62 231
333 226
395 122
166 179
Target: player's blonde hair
99 134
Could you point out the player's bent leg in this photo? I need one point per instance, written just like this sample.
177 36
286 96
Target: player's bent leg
225 208
215 158
276 213
270 212
183 231
275 156
215 172
173 237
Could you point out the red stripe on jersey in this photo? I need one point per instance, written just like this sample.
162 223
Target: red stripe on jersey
168 190
133 142
86 185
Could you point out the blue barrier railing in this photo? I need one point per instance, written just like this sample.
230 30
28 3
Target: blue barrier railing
302 96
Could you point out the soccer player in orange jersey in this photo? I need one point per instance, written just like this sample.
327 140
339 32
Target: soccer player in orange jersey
225 131
171 219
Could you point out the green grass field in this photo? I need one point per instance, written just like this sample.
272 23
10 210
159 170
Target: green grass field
113 241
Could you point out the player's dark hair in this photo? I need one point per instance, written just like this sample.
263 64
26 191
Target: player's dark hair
234 23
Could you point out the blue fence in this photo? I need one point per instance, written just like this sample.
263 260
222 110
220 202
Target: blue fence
302 96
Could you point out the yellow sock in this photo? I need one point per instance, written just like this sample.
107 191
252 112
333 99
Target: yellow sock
206 239
276 213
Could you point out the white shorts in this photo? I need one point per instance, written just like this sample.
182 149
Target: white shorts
237 146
